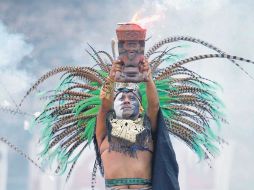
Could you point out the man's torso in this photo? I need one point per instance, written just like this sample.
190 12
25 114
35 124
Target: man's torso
120 165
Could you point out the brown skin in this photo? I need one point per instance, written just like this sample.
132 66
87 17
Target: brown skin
118 165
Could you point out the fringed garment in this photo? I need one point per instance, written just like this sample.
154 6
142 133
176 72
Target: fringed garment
129 136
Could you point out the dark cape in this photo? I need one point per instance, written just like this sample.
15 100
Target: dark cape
165 168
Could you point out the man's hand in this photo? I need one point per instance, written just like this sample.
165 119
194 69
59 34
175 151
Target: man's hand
145 67
116 67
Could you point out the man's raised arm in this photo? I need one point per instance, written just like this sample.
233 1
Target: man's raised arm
152 97
107 100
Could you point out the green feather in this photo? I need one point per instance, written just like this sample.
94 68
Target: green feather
81 107
89 130
103 73
198 150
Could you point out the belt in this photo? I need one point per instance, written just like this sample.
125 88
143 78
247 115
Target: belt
142 188
127 181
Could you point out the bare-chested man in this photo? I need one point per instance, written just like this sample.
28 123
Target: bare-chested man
124 138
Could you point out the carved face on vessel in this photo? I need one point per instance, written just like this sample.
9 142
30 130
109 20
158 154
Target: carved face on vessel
131 54
132 48
126 105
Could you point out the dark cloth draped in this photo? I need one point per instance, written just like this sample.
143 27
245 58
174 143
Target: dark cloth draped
165 167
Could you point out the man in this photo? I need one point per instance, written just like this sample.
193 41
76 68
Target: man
134 146
127 146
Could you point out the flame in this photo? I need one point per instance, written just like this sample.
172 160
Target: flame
134 18
144 21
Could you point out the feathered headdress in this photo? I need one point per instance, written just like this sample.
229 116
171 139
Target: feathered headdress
187 100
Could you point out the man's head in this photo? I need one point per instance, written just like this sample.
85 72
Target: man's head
127 104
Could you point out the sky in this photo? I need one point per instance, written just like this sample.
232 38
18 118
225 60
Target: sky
37 36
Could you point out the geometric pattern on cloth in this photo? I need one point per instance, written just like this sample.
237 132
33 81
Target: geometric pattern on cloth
127 181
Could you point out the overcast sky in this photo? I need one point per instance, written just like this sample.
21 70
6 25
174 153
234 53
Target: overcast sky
36 36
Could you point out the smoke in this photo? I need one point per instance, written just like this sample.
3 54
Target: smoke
192 4
227 24
13 81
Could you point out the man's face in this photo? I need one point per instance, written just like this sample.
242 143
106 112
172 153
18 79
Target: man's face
126 106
